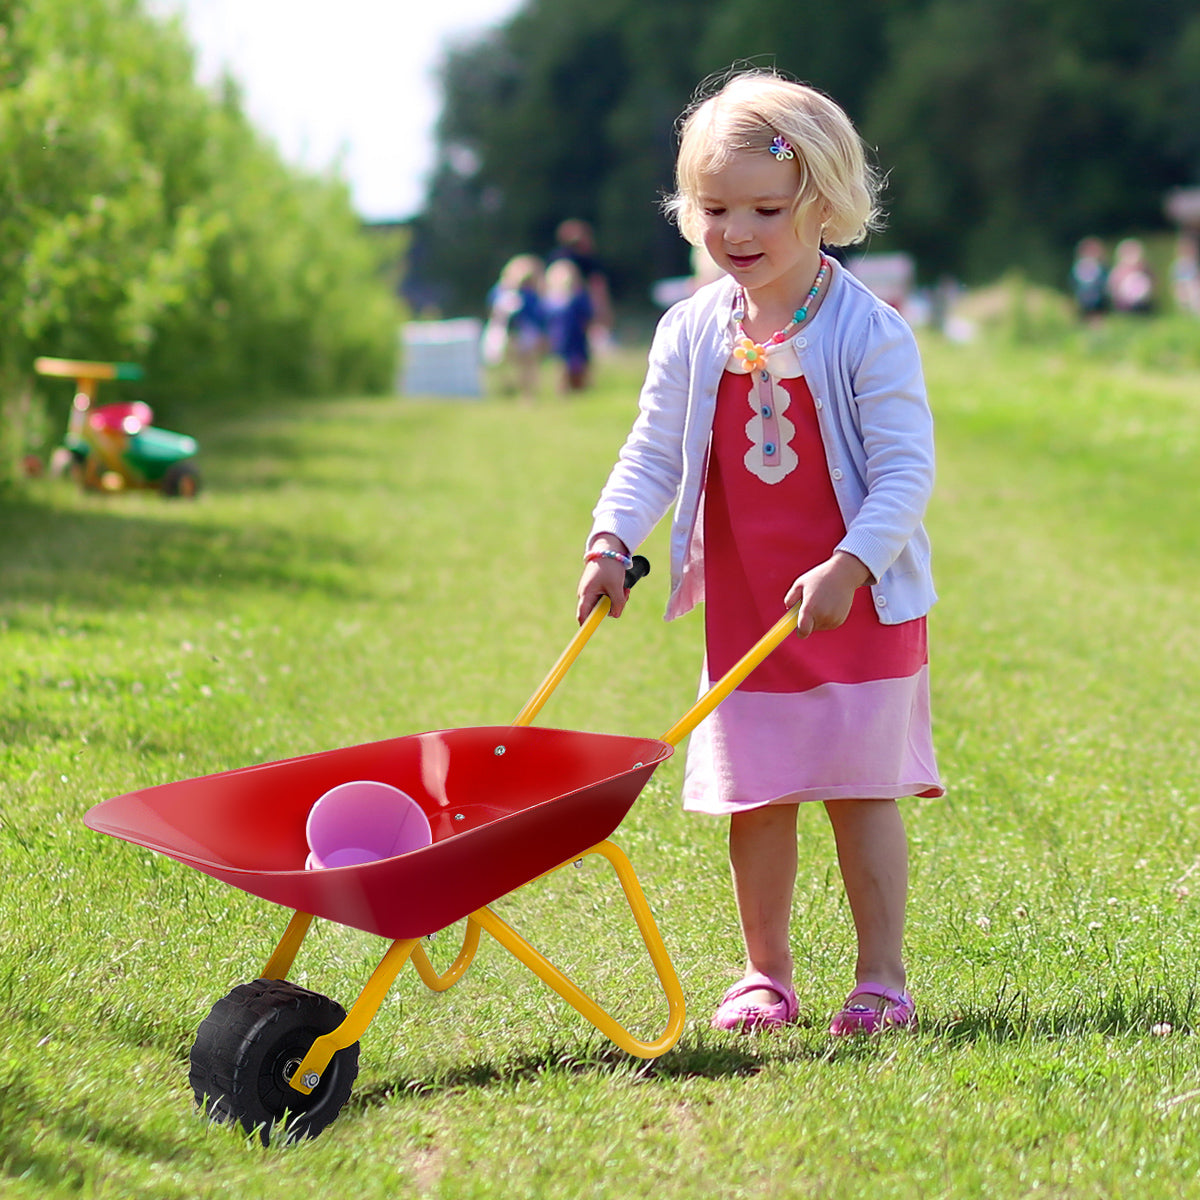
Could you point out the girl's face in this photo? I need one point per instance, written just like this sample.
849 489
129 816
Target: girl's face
749 230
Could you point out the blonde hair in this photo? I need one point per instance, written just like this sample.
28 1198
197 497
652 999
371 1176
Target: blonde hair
563 279
522 270
750 110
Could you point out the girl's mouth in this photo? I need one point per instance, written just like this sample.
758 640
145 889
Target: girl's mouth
743 262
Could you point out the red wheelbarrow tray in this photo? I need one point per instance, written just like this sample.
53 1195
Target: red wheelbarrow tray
506 804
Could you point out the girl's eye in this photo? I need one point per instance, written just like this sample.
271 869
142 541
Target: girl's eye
769 212
714 212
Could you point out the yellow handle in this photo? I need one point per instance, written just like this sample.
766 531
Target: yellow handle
732 677
554 676
71 368
638 568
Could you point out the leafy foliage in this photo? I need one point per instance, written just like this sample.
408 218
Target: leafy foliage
1007 128
1013 127
142 217
563 112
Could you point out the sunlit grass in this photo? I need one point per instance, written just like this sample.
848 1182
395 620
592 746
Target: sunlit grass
363 568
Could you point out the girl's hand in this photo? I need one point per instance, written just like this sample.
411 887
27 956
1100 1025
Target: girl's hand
825 593
605 577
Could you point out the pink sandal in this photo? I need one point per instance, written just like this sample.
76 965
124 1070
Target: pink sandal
899 1011
732 1013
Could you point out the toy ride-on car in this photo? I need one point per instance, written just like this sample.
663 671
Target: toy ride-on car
111 447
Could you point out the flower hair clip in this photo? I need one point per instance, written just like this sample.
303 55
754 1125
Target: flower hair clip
782 148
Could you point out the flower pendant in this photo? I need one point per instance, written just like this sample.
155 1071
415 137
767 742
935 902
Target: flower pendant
751 356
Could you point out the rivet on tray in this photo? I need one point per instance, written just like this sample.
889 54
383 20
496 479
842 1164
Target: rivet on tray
499 750
460 816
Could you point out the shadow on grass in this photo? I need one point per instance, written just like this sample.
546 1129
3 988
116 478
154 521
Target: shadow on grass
263 447
1114 1013
28 1155
1011 1020
98 558
24 728
265 463
691 1059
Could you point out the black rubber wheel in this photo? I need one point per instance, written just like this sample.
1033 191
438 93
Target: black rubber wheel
182 479
247 1049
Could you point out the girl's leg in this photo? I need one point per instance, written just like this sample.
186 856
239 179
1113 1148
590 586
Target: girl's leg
872 851
762 853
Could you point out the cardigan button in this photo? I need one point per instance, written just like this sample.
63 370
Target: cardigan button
835 474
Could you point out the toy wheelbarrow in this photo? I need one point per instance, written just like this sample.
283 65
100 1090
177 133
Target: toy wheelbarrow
505 805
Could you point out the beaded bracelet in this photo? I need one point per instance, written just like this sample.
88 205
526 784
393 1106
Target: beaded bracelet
596 555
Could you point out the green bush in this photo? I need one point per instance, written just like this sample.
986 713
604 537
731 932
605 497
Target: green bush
1168 343
1021 314
143 218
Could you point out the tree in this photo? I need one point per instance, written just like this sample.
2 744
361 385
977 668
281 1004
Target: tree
563 112
1006 128
142 217
1013 127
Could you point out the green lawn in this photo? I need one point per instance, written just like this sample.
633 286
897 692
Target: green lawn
363 568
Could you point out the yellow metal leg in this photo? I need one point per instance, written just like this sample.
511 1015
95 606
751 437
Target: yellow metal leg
280 963
440 983
308 1074
580 1001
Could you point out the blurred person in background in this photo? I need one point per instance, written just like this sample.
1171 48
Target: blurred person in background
1185 274
568 308
1130 282
1089 278
515 335
576 241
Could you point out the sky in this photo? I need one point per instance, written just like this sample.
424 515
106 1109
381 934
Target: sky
346 83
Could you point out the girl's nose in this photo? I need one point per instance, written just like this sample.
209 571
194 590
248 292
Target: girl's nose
738 233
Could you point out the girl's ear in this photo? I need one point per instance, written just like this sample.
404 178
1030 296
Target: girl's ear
811 218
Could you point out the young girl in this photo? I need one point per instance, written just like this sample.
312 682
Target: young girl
784 415
568 316
515 334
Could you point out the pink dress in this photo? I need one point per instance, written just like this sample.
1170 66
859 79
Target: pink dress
842 714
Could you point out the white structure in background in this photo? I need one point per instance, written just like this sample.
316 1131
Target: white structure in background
441 358
889 276
1183 207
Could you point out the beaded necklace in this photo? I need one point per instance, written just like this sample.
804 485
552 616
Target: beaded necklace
754 354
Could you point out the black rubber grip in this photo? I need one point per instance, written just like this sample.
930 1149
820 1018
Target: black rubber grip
638 569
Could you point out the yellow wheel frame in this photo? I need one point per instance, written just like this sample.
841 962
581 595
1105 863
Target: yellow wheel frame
308 1074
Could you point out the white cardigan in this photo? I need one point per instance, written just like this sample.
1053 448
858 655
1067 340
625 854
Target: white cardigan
864 371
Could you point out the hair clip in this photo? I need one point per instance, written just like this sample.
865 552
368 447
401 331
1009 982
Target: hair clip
782 148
